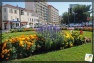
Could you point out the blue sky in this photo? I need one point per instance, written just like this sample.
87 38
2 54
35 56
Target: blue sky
61 6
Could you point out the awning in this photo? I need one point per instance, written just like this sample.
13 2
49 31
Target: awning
14 21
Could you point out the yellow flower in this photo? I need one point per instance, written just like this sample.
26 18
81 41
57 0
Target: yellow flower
23 38
21 43
67 36
67 43
71 45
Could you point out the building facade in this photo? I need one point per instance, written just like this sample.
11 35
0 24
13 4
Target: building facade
40 8
53 15
13 16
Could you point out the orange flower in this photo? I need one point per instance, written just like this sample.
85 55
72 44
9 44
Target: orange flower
8 50
2 56
3 51
8 54
42 38
27 48
4 45
6 41
23 38
21 43
10 40
7 58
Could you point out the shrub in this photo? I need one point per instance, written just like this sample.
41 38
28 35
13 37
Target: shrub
51 34
21 30
68 40
78 39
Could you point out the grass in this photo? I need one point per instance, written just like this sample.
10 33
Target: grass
70 54
76 53
17 34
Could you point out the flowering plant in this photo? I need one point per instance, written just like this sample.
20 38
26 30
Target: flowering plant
18 47
51 34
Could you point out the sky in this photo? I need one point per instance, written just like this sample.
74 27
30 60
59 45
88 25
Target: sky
61 6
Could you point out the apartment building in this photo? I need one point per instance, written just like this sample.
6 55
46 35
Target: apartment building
13 16
53 15
40 8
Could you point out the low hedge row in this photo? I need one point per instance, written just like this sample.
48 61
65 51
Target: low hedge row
21 30
84 28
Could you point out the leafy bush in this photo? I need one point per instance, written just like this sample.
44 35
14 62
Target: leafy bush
68 40
20 47
51 34
21 30
78 39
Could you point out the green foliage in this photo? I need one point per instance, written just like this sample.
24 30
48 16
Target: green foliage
77 38
21 30
81 11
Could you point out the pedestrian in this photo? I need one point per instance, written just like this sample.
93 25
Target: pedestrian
81 32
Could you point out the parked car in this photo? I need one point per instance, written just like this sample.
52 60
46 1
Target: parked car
25 26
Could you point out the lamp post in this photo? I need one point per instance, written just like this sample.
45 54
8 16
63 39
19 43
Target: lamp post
68 16
74 17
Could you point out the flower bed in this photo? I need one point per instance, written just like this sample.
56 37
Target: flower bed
85 29
48 38
18 47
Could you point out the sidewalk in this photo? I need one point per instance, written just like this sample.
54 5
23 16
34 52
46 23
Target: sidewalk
3 31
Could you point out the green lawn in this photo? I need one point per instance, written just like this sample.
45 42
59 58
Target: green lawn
76 53
17 34
70 54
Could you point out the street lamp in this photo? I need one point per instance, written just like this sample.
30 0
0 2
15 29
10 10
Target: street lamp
74 16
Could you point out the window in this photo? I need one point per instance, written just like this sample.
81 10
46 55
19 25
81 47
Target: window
11 10
4 17
17 24
22 12
15 11
30 19
4 9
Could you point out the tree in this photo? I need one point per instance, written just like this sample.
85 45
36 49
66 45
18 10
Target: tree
82 11
81 14
65 18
